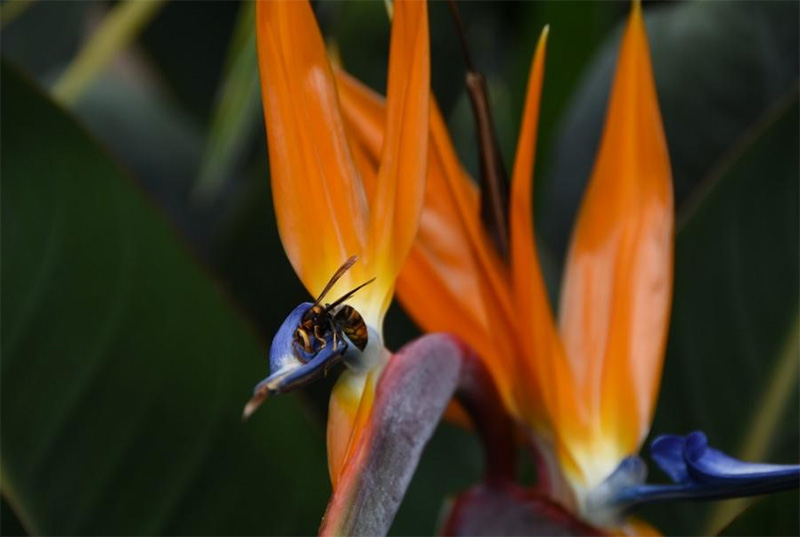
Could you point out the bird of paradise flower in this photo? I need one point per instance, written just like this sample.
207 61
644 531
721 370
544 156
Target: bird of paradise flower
349 179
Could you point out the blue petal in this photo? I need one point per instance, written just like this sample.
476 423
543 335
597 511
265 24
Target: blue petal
700 472
291 367
303 374
709 465
282 351
667 452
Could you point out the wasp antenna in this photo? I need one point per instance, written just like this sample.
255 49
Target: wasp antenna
336 275
348 295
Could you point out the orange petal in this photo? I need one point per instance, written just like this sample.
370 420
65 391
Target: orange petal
452 263
395 204
617 286
319 199
453 281
348 412
536 327
547 387
397 201
364 112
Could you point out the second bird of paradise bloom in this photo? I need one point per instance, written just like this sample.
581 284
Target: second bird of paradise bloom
354 176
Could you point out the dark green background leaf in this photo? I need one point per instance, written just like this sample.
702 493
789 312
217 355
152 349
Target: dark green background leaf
124 370
774 515
732 358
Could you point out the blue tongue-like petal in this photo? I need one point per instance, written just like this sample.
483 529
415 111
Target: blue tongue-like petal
291 367
700 472
712 466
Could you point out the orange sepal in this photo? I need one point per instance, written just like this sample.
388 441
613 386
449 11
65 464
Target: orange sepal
396 203
544 368
348 412
617 285
452 280
319 200
396 194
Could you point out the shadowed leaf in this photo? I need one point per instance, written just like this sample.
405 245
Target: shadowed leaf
123 368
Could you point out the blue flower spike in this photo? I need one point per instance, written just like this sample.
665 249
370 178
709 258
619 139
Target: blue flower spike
711 474
698 472
290 366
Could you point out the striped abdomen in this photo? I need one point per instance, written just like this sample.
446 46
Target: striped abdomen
353 326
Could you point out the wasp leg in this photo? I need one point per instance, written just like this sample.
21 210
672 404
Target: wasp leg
334 332
319 337
306 341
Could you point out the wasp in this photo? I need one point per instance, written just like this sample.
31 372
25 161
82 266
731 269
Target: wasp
336 319
312 340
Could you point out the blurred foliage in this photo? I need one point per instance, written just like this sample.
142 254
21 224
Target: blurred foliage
119 27
236 112
124 369
770 516
129 368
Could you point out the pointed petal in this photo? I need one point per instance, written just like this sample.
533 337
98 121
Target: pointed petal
531 300
451 256
319 200
396 194
617 285
551 403
397 201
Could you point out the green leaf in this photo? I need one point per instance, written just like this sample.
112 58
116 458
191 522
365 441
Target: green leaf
160 146
9 523
187 46
124 369
776 515
732 360
61 22
237 111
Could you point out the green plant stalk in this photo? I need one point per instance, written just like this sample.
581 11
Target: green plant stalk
119 28
236 112
764 423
